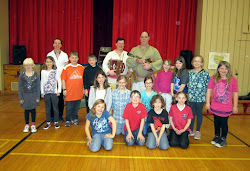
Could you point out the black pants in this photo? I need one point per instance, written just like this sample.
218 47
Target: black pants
220 123
72 109
178 140
27 115
51 104
87 103
60 106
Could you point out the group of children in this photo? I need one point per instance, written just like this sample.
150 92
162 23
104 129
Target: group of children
135 114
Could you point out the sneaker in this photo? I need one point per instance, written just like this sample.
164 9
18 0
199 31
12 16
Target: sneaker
61 119
191 133
75 122
47 126
57 125
197 135
26 128
33 128
221 142
215 140
67 123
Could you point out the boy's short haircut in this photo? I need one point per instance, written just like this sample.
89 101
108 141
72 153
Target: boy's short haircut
135 92
73 53
57 39
120 39
169 61
92 56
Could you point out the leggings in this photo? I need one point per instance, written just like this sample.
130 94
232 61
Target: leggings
220 123
197 110
27 116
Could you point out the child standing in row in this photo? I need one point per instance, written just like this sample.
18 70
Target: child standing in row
146 96
88 76
163 83
223 87
157 118
180 116
180 77
197 87
29 93
101 131
134 115
50 90
120 98
100 90
72 82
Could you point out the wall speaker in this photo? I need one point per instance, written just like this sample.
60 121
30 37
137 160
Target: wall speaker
19 54
188 56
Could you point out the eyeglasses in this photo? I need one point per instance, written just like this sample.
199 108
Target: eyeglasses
121 82
148 83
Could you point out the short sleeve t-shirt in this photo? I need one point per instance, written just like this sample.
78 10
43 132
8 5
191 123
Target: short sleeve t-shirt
222 96
184 79
100 125
180 117
134 115
73 76
157 119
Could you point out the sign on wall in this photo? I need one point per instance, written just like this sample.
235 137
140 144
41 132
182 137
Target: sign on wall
216 57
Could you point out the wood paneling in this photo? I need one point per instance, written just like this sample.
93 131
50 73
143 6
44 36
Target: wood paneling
222 25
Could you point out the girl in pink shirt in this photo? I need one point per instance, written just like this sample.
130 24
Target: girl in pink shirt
223 88
163 83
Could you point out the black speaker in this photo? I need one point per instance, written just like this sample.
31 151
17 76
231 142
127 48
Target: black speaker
19 54
188 56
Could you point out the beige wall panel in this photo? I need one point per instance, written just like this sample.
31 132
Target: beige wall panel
244 61
222 26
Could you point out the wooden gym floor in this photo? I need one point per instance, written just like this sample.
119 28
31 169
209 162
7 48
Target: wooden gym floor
66 149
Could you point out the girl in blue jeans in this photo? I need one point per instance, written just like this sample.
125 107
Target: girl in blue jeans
101 131
157 119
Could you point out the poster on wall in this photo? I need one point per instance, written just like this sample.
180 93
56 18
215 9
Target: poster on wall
216 57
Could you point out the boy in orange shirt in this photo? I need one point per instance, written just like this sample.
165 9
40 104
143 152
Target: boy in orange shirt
72 83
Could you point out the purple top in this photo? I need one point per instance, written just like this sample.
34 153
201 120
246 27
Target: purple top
163 82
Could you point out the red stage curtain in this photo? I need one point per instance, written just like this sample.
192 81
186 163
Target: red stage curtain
171 24
35 23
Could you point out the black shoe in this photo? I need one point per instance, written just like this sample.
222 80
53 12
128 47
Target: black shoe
222 142
47 126
215 140
61 119
57 125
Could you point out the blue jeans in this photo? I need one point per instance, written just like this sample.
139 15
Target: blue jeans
145 128
120 128
98 141
151 142
135 140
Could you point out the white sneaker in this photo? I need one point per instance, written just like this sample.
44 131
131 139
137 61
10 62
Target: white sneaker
26 128
33 128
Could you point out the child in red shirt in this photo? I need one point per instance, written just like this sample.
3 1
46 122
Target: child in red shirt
72 83
180 116
134 115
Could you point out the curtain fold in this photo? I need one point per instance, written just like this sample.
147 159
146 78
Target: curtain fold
35 23
171 24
